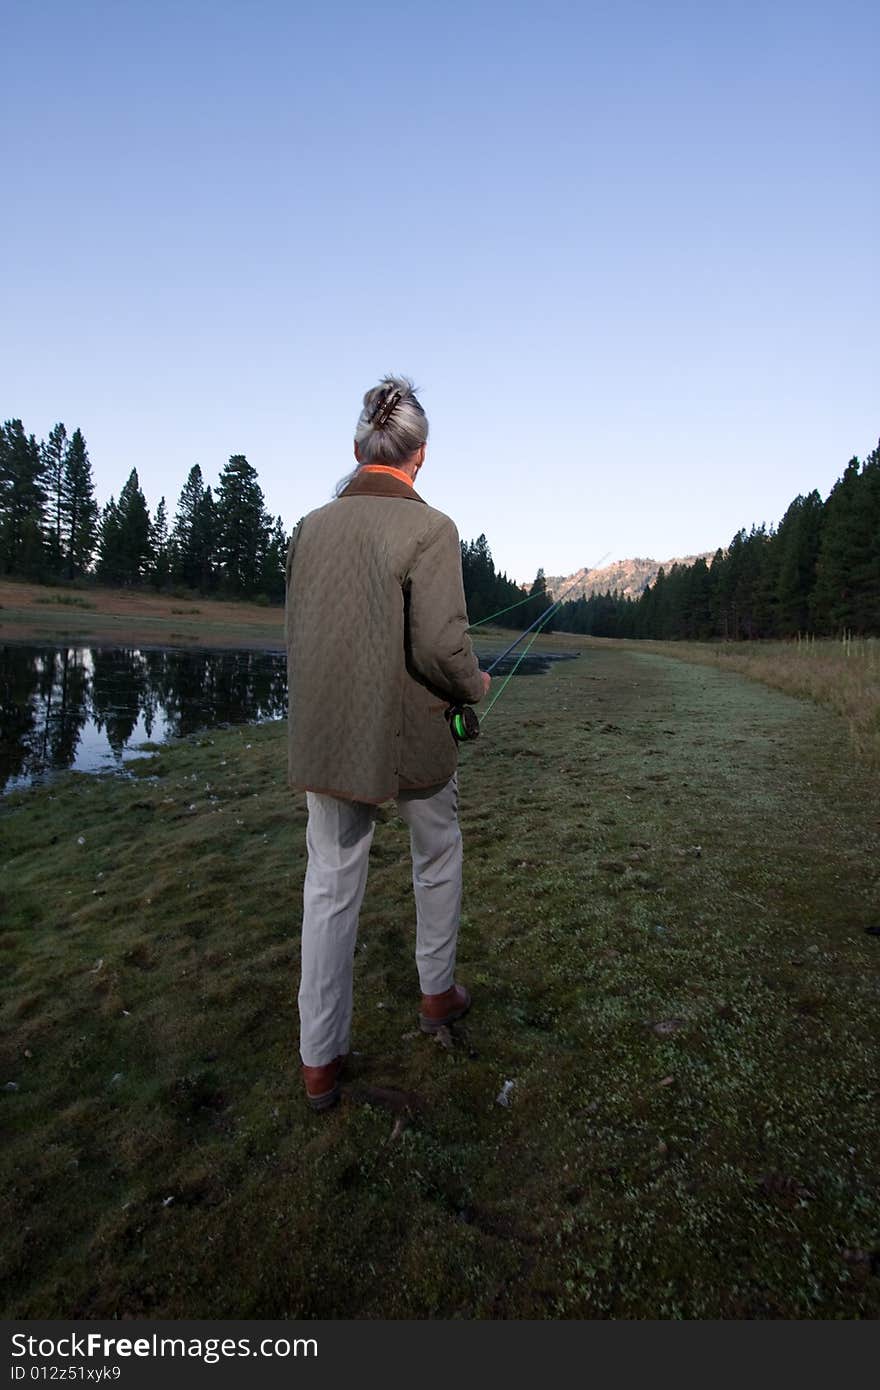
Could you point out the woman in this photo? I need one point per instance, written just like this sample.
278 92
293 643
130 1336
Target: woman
377 650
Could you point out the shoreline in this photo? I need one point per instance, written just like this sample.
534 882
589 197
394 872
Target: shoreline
132 617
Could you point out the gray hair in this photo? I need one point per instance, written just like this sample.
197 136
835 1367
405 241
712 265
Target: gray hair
392 424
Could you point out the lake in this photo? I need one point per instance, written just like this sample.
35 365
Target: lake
90 707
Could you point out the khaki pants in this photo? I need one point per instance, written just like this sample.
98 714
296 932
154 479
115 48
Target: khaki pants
338 838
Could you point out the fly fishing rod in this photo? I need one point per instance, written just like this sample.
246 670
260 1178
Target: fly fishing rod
463 719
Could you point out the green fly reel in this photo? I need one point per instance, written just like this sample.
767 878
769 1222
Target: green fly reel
463 722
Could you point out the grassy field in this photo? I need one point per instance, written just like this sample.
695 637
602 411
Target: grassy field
37 612
671 877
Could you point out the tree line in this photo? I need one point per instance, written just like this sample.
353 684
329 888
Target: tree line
51 528
487 592
816 573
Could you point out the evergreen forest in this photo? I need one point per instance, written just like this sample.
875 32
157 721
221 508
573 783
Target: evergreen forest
221 542
816 572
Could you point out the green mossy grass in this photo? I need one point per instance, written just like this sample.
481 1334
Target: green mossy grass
669 876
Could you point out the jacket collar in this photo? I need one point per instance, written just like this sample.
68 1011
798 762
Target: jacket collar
367 484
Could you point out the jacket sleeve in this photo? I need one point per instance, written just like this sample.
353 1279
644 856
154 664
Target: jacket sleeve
439 651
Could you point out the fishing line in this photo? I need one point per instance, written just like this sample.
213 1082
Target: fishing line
539 623
510 675
518 604
527 599
463 721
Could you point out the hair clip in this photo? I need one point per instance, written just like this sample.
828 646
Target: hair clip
383 411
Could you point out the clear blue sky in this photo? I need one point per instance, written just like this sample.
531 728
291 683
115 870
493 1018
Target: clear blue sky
628 250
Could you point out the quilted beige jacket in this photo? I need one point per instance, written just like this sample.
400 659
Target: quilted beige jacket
377 646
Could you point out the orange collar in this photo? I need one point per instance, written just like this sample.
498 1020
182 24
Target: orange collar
384 468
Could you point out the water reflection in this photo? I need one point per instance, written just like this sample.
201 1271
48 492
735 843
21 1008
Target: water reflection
86 707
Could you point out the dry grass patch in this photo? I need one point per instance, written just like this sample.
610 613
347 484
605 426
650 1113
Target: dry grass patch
841 674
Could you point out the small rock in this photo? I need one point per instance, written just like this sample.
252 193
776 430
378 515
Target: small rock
80 839
503 1096
444 1038
667 1026
11 1086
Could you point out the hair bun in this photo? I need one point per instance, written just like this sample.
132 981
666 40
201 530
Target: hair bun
392 423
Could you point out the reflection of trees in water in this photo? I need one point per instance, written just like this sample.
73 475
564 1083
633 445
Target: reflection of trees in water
64 723
42 709
196 689
120 691
18 681
47 697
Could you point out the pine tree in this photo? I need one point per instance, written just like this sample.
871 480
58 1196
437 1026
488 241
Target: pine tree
53 452
867 574
22 502
124 542
530 612
110 565
187 564
755 589
79 510
696 617
134 527
205 543
848 567
160 554
242 526
272 575
797 543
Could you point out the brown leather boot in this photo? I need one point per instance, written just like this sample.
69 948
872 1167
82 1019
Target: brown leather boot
322 1083
438 1010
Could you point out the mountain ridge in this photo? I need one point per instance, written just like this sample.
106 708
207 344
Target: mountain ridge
629 578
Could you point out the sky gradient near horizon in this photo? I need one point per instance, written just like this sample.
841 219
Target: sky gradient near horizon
628 251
